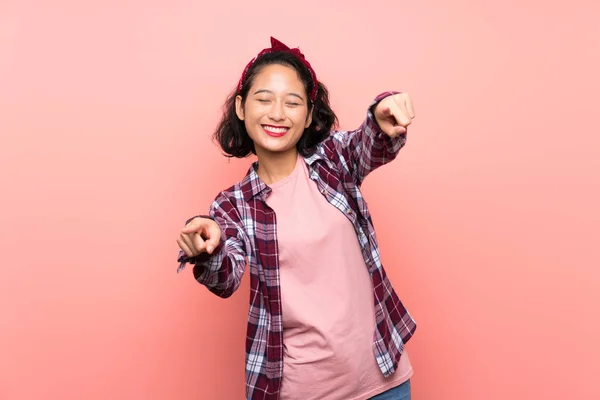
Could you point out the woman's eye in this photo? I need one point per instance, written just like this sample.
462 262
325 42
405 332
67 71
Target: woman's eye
294 104
263 101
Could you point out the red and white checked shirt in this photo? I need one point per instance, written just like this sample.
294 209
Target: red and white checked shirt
249 232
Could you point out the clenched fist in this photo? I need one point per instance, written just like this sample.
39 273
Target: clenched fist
200 235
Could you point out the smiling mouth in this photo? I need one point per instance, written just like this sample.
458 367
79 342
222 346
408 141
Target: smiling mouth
275 130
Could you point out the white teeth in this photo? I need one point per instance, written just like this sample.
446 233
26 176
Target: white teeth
275 130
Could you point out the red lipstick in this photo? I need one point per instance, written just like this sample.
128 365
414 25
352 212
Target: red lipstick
275 131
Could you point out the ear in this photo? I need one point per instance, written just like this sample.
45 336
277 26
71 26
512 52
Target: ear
239 109
309 117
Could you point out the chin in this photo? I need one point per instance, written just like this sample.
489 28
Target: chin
277 149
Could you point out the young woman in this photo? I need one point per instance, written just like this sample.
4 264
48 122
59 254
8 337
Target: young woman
324 320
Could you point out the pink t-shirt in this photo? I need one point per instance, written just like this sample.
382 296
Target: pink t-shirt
327 299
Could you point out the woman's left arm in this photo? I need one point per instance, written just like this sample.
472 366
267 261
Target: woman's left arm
379 138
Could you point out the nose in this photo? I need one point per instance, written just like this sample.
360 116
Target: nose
277 112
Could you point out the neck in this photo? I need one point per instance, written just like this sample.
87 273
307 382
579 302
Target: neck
273 167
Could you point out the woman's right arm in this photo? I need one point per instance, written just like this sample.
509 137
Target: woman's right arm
221 269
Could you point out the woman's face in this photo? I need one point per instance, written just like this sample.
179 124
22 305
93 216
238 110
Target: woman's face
275 112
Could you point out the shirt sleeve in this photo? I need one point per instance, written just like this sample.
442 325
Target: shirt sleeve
221 272
365 149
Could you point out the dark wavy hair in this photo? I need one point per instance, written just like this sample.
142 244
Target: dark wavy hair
231 132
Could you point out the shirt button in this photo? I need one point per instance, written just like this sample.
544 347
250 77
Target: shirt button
323 191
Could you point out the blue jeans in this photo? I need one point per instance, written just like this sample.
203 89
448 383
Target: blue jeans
401 392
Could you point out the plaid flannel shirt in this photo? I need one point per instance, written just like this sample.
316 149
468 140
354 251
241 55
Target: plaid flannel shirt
249 239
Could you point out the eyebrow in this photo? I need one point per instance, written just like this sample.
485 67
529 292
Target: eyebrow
271 92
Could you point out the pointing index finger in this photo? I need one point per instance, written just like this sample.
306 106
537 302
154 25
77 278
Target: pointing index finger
409 107
400 114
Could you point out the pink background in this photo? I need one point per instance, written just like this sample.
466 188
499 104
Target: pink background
488 221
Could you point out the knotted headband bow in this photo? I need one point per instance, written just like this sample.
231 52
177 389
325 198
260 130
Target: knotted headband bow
276 45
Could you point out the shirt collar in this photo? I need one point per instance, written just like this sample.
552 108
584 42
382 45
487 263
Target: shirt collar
253 186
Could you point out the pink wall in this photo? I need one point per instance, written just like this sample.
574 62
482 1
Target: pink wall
488 221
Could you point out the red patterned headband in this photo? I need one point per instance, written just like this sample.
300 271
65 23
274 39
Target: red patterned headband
276 45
